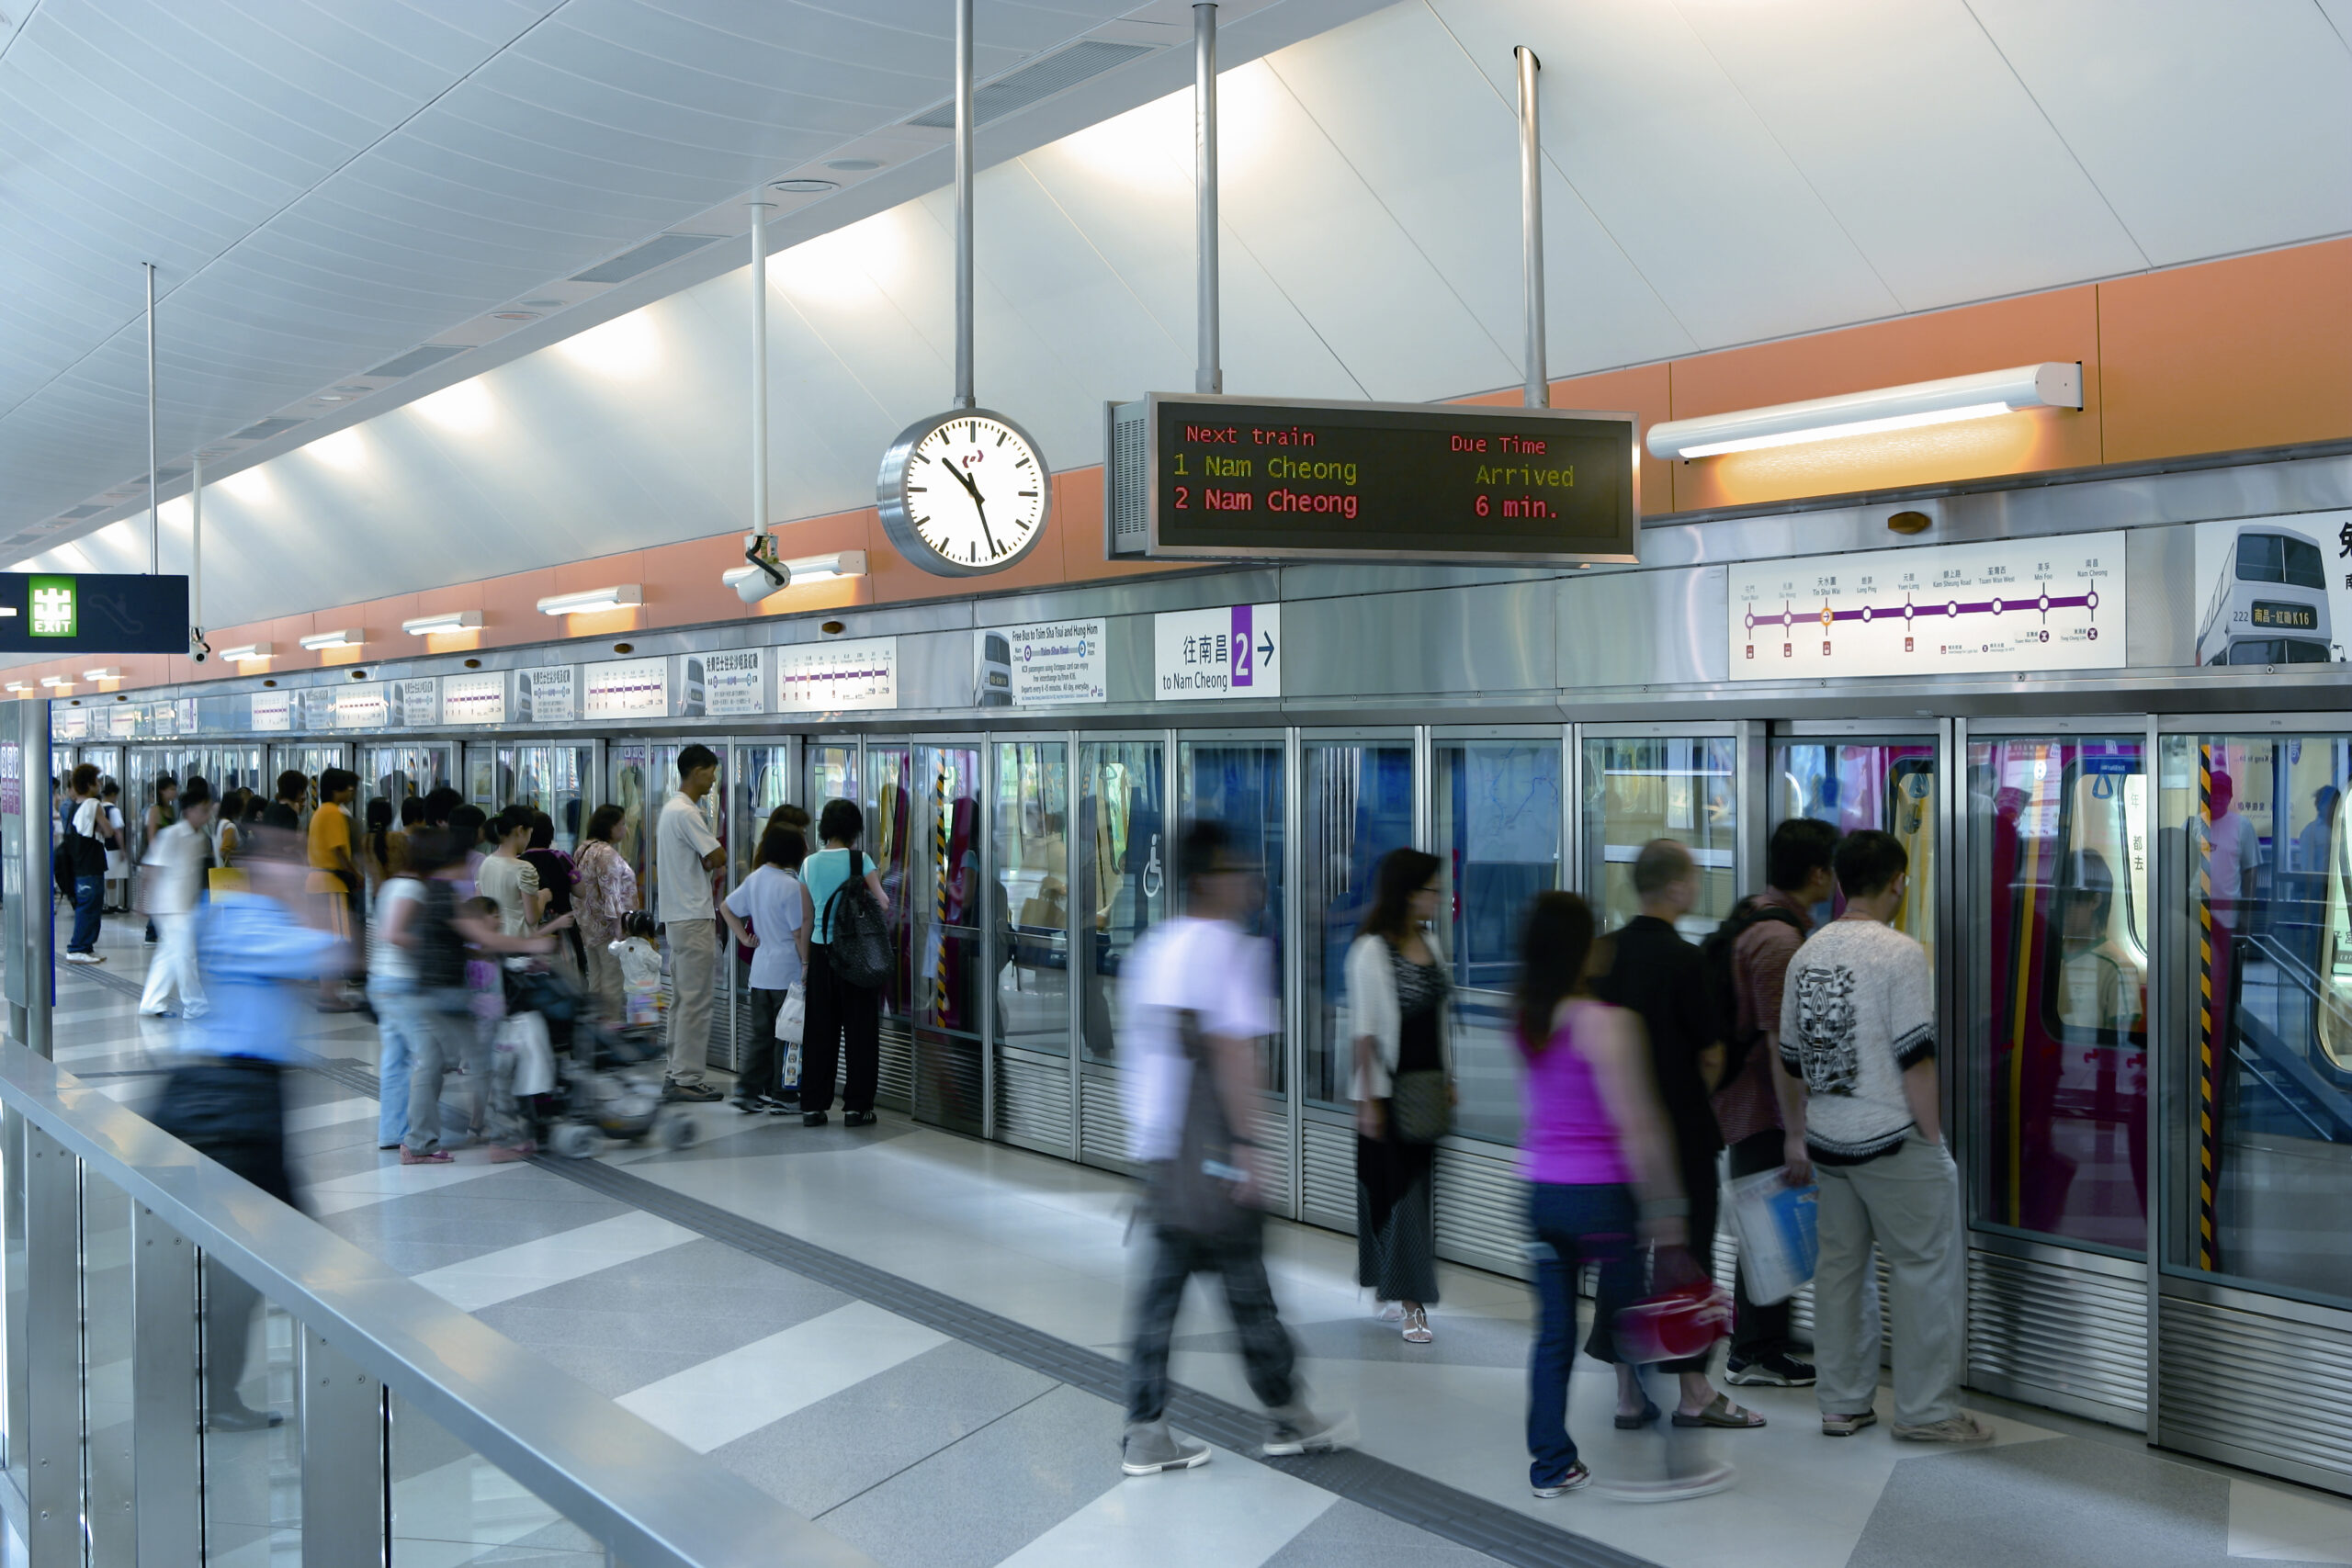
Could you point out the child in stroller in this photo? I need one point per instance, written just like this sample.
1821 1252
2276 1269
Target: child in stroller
608 1080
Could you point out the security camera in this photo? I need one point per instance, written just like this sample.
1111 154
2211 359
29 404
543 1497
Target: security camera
198 648
764 574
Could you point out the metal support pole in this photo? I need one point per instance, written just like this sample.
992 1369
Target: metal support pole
964 399
167 1464
342 1459
53 1347
154 536
1210 374
1530 219
195 543
760 210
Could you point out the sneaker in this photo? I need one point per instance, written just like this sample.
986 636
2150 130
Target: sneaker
782 1105
1779 1370
1149 1447
84 958
1299 1430
1847 1425
700 1093
1962 1430
1577 1478
814 1119
748 1107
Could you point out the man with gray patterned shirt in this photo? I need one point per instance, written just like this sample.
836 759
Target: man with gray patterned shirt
1858 1032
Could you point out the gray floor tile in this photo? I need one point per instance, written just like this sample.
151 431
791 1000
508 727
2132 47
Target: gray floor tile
697 1300
1003 1487
1460 1342
1349 1535
818 1458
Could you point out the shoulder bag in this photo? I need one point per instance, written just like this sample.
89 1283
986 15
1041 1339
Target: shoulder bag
1198 1193
859 937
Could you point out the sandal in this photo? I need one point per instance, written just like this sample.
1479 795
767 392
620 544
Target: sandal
1417 1325
1634 1423
1721 1412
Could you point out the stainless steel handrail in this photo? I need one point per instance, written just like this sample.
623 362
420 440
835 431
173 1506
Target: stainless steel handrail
653 1502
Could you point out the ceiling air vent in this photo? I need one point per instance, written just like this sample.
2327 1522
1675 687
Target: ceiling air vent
656 252
165 476
266 429
1038 80
417 359
79 512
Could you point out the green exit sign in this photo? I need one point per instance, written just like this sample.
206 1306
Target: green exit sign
54 612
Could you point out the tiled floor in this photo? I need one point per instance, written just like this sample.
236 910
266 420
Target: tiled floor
920 1447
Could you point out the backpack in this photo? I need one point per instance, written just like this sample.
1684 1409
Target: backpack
1718 957
85 854
859 938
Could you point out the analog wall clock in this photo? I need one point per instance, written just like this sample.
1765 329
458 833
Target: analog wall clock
964 493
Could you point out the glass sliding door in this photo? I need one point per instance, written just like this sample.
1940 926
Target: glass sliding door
408 770
833 775
549 778
1356 806
1888 785
1641 788
923 830
1033 921
1122 884
1495 825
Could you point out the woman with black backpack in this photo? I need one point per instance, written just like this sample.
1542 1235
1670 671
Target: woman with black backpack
848 962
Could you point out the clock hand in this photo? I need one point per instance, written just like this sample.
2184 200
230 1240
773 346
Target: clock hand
979 505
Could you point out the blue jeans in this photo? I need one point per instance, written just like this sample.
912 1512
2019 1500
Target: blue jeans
88 892
398 1025
1579 1225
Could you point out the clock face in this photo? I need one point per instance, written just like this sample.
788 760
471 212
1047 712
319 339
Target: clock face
964 493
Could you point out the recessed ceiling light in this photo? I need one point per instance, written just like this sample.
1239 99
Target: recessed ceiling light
544 304
334 397
515 315
802 188
354 391
854 165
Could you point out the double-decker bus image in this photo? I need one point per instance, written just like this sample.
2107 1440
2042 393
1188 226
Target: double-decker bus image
2269 602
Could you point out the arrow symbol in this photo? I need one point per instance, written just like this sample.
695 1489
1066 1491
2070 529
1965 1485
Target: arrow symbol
1266 649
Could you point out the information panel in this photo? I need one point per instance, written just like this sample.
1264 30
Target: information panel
92 612
474 699
626 688
837 677
2045 603
1229 652
1223 478
1046 664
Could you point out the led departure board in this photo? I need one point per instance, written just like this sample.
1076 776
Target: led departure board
1224 477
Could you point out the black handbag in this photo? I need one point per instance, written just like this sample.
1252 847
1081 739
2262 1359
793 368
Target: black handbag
1420 1107
1198 1193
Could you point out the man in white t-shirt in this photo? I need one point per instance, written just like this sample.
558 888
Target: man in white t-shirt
1206 965
1858 1036
685 851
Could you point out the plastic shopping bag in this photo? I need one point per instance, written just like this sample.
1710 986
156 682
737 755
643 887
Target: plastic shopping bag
525 1035
1774 1221
791 1019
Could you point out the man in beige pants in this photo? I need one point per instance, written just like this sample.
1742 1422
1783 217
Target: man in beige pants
685 854
1859 1099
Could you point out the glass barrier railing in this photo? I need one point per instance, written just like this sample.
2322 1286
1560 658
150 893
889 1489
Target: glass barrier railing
198 1374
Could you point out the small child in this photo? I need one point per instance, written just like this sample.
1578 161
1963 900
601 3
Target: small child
640 963
488 1001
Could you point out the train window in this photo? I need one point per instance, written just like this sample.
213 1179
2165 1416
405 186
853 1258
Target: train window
2056 1057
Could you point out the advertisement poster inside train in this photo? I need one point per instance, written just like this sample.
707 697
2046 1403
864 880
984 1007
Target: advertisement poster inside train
2054 602
2275 591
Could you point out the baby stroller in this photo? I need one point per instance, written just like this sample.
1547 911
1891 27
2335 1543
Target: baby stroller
608 1080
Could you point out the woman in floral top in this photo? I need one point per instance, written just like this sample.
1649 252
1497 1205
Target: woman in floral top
606 890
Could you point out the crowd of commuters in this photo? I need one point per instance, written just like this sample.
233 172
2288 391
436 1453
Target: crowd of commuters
1652 1069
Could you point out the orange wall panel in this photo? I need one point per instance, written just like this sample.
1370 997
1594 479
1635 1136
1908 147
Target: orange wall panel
2234 354
1645 390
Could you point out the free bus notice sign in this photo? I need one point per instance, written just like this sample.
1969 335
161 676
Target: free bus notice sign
1220 478
55 613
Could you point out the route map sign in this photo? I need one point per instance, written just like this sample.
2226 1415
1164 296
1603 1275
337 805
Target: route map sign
1216 477
2045 604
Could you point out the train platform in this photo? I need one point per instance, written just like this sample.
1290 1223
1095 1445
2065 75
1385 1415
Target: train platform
914 1338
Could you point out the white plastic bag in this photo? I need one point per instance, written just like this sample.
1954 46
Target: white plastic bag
792 1018
525 1035
1774 1223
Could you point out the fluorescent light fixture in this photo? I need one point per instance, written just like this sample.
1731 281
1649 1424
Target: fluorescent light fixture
19 686
249 651
349 636
588 601
56 681
2054 385
446 621
824 569
108 673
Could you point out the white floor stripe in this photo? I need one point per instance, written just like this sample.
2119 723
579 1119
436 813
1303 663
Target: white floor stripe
396 1180
767 1380
1233 1514
515 1271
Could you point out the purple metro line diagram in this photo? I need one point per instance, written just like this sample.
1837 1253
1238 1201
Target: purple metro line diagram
2049 603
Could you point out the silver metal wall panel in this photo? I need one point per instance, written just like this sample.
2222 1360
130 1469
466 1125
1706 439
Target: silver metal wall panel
2072 1338
1482 1208
1327 1193
1496 639
1102 1125
895 1085
1643 628
2160 583
1032 1106
2224 1370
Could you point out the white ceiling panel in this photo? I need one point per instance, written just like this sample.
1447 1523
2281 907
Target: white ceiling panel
2006 208
2210 127
1676 166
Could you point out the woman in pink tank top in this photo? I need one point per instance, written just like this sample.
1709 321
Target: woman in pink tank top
1598 1158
